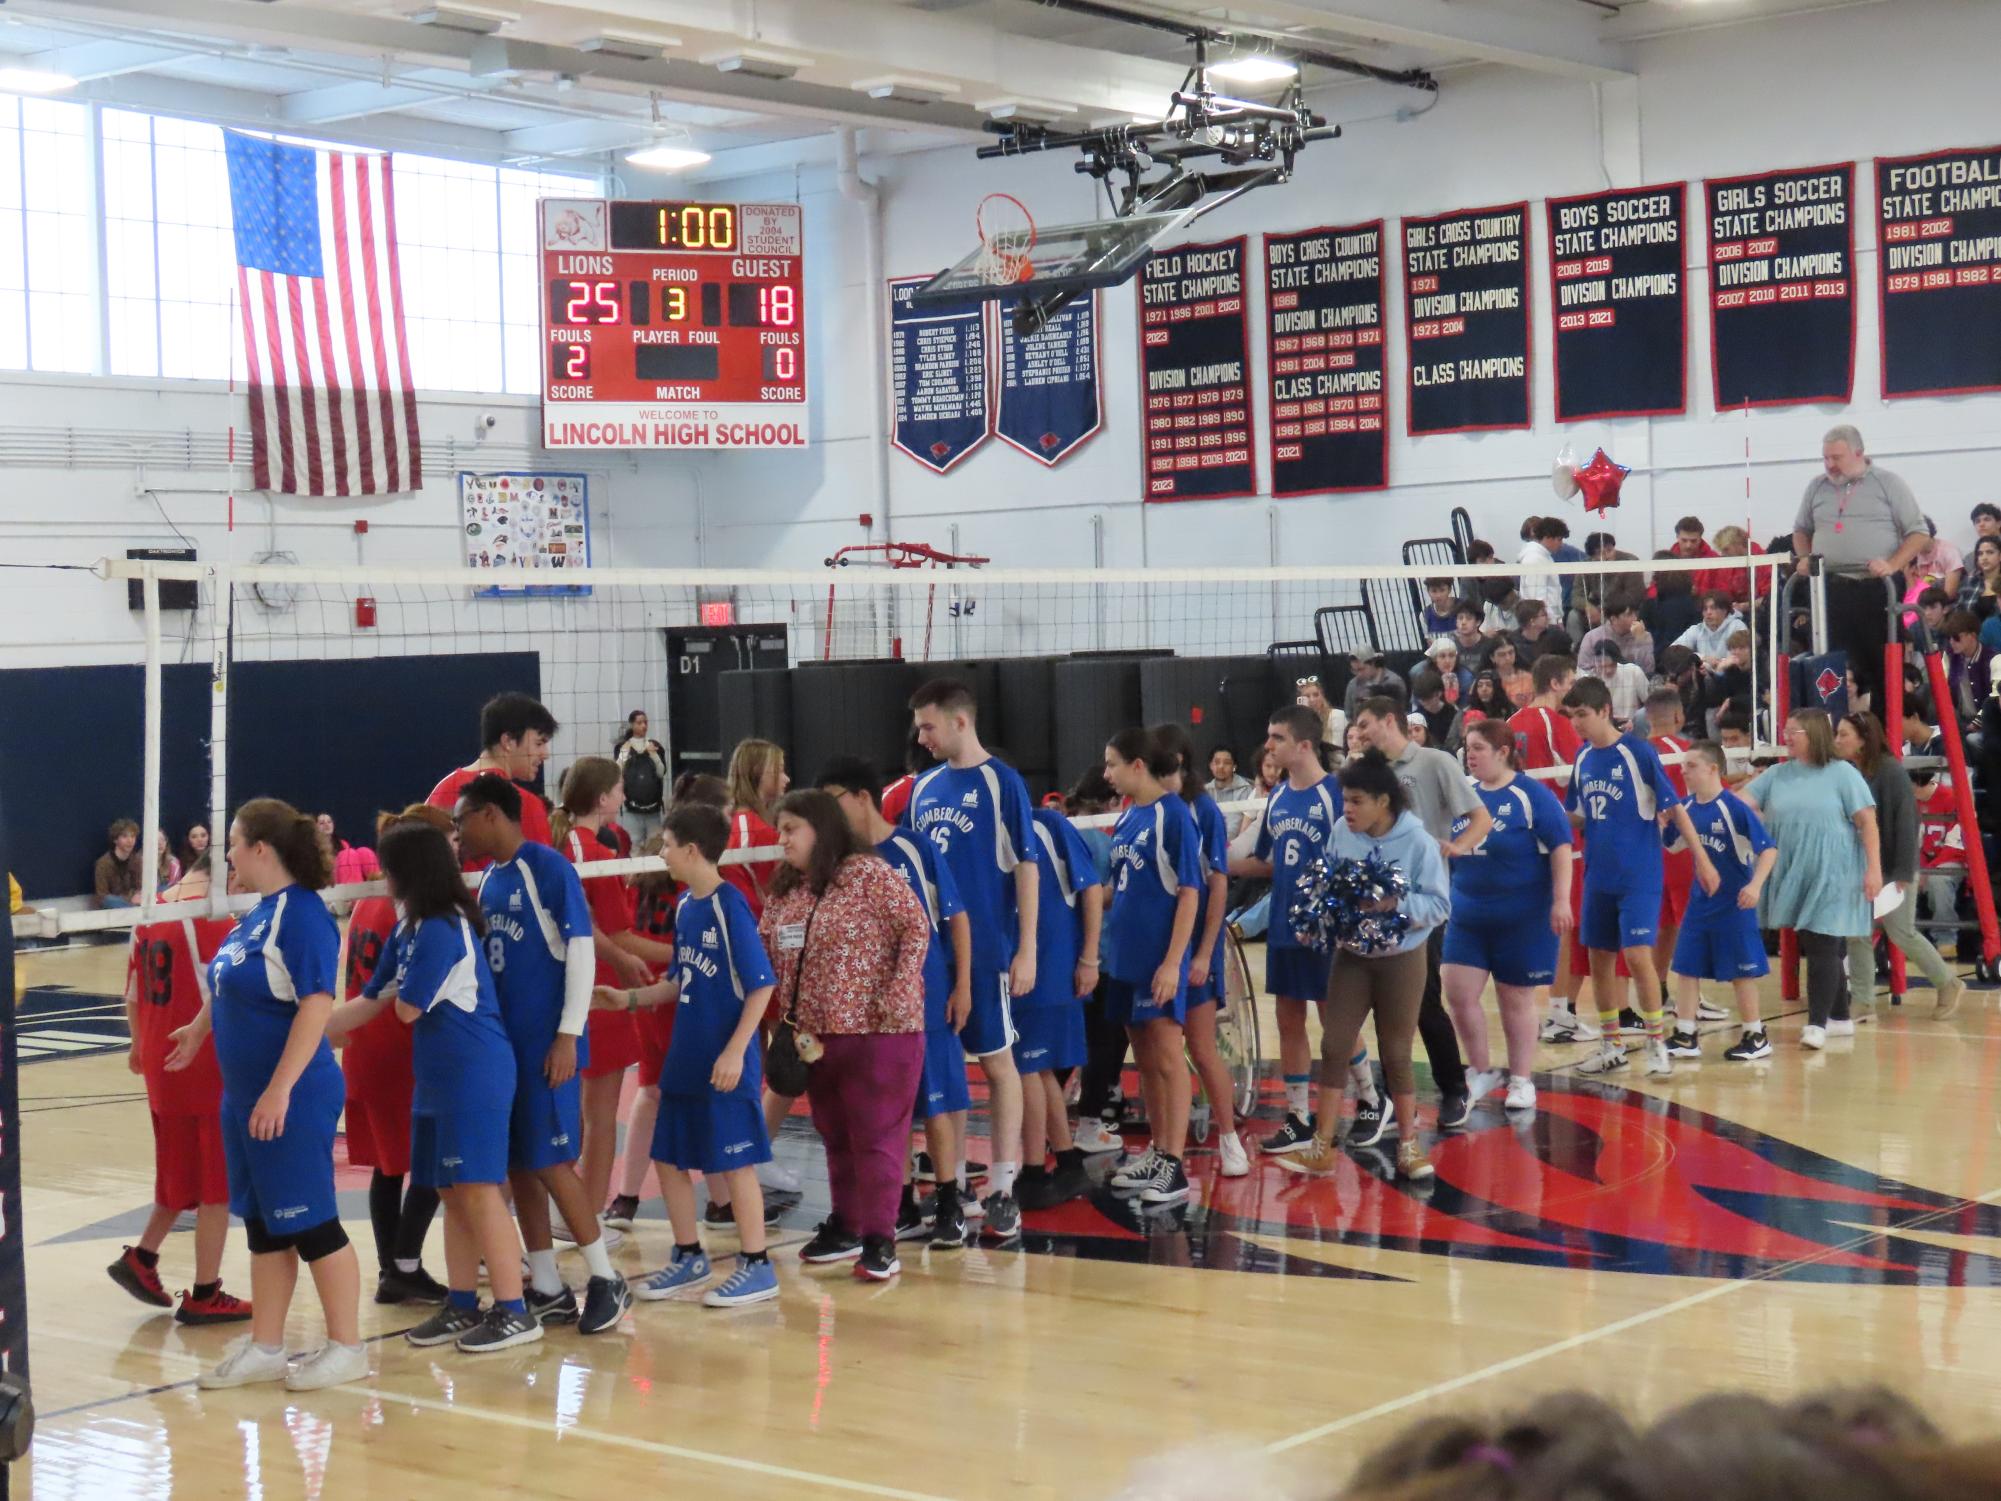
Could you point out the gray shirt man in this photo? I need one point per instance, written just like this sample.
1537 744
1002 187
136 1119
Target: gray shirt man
1851 523
1437 787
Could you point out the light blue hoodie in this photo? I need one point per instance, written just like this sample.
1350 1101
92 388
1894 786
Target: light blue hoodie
1407 846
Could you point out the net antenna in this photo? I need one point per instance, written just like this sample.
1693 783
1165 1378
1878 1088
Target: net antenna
895 555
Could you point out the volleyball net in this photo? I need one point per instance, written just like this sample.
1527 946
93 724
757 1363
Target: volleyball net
353 689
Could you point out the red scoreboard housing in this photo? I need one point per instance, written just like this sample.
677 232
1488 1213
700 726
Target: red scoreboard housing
673 324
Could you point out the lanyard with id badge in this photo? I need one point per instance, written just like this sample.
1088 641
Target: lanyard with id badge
791 1051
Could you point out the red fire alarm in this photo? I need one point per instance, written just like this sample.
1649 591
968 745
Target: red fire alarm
364 613
361 528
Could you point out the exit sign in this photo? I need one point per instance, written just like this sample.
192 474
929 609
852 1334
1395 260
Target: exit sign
718 612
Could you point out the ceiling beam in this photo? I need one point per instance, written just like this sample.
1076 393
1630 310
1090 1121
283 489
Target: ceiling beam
575 137
808 151
349 101
88 61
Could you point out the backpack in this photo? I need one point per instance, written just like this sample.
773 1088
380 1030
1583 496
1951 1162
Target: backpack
643 784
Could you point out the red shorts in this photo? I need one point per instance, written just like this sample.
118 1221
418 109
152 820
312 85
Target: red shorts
614 1043
378 1130
189 1169
1678 874
656 1030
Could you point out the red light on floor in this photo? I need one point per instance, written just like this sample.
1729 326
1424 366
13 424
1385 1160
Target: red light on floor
719 612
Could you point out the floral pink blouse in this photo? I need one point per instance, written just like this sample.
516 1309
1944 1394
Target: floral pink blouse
864 953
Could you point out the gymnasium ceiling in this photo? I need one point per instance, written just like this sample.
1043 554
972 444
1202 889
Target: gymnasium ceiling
555 81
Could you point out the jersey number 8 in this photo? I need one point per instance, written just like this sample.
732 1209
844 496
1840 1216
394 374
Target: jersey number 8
496 953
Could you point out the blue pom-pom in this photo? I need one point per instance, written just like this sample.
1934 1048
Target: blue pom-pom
1333 905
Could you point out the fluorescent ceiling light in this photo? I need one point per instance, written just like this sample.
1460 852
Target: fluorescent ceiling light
480 20
758 62
1253 69
667 158
1012 107
33 81
629 45
908 89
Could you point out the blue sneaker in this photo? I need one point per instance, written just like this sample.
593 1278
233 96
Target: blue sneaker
751 1282
684 1271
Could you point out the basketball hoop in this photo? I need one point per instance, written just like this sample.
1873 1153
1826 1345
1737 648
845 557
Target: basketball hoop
1007 236
897 555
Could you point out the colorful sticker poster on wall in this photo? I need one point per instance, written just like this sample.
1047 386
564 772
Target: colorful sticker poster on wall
1194 358
1466 318
1619 300
539 521
1049 398
1782 286
1324 345
1939 226
938 378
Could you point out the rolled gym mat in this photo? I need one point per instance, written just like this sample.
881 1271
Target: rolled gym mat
1218 700
850 709
1029 713
754 703
1094 698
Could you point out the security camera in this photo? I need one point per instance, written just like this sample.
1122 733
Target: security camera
488 421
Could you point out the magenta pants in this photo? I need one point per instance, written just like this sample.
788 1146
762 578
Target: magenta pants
860 1091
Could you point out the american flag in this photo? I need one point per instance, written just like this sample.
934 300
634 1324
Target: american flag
332 408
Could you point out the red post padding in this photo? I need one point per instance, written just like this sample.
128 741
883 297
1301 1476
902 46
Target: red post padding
1962 792
1789 944
1893 720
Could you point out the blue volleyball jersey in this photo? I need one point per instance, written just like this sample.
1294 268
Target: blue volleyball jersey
284 949
1509 872
916 860
1156 852
1214 832
718 961
1067 871
1292 837
1734 836
460 1054
1621 790
979 820
534 906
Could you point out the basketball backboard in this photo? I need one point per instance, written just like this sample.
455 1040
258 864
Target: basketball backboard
1065 258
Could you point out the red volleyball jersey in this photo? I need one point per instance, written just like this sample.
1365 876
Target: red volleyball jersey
167 975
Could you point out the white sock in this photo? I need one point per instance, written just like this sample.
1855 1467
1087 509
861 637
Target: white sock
1364 1079
597 1258
277 1349
542 1273
410 1265
1003 1176
1295 1098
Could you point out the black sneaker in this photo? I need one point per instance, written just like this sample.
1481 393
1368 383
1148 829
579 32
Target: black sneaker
721 1214
1290 1137
445 1327
909 1221
1754 1044
623 1211
551 1308
1684 1043
878 1261
1003 1221
948 1224
1629 1021
1036 1188
500 1330
606 1300
1168 1185
1072 1181
1454 1110
1372 1122
410 1287
831 1242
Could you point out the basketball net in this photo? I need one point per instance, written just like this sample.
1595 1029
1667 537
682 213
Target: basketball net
896 555
1007 236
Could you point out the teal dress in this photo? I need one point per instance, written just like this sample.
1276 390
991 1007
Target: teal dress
1817 884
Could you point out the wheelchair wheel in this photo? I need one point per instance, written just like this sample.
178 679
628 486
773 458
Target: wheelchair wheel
1237 1037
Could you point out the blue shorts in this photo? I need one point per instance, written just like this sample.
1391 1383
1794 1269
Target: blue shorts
1132 1005
990 1027
1297 974
1052 1037
710 1132
1514 952
546 1126
463 1146
1723 946
941 1088
286 1182
1614 920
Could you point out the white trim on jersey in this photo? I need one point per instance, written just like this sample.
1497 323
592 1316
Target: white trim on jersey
1057 863
551 933
1645 804
461 983
1005 854
1162 866
927 891
1740 842
195 960
1520 794
277 974
715 901
1319 790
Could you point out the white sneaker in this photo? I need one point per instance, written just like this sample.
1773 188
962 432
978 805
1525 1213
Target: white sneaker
1706 1011
330 1365
243 1364
1839 1028
1521 1094
1659 1064
781 1179
1813 1037
1236 1162
1609 1058
1138 1171
1482 1082
1094 1138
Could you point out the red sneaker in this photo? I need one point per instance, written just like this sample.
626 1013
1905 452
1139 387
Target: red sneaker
218 1307
138 1279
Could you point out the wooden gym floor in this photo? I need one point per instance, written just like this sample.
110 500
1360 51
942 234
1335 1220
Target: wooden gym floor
1773 1226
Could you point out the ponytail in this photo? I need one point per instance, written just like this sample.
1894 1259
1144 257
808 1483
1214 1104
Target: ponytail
294 835
587 781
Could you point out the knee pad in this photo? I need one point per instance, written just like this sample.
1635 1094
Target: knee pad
261 1241
321 1241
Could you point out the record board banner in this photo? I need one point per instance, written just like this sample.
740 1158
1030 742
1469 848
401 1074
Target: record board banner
1466 319
1618 297
1194 359
1324 346
1782 286
1939 225
937 378
1049 398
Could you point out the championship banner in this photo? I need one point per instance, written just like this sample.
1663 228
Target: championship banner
1049 399
1620 304
1466 316
1782 286
1939 223
937 378
1194 357
1324 315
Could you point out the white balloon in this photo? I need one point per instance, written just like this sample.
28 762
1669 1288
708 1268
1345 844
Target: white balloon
1563 479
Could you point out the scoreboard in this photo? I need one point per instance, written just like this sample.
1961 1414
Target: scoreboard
672 324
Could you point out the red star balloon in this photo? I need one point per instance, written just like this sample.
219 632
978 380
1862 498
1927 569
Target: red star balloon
1600 481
